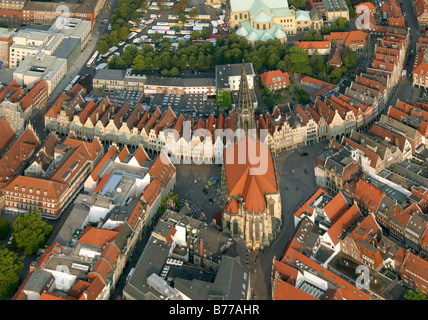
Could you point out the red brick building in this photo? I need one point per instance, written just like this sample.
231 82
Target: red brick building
275 80
11 11
75 161
414 272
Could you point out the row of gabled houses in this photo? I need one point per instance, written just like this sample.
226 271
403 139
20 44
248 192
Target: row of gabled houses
18 105
331 115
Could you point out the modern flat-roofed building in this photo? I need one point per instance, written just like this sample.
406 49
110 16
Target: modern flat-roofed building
41 66
73 28
27 42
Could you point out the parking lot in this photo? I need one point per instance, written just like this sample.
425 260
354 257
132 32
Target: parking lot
188 104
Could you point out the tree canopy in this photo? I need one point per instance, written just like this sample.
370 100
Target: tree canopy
4 229
419 295
30 232
10 266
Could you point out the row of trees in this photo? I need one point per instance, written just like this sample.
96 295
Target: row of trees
30 232
340 25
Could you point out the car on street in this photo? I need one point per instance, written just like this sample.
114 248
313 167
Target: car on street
205 191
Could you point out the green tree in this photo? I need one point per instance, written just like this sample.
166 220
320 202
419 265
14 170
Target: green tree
337 74
317 62
123 33
299 60
169 201
303 96
350 59
30 232
164 73
174 72
419 295
205 33
298 4
195 35
182 17
193 13
312 35
139 63
156 37
114 38
220 40
4 229
102 47
10 267
352 12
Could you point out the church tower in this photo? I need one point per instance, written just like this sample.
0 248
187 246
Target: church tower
244 110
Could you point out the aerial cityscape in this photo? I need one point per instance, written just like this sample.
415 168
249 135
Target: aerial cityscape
205 150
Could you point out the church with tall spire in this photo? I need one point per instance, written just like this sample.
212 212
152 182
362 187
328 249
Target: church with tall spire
250 188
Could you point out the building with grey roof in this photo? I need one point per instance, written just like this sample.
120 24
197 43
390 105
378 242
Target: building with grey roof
151 262
108 80
414 231
204 255
69 50
40 66
228 76
335 9
232 282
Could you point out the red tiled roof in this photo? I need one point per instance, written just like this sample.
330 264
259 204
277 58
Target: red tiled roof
7 135
21 150
344 223
251 181
319 45
97 237
112 151
374 158
123 154
305 207
349 291
367 195
162 169
152 191
414 265
272 77
141 156
232 206
286 291
369 5
102 183
31 97
335 206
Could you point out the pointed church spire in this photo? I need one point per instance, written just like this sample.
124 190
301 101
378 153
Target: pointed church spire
244 109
